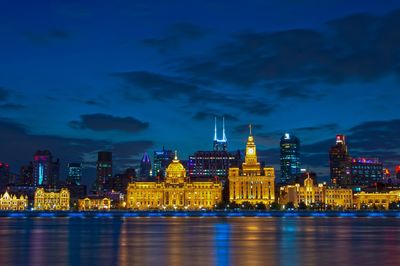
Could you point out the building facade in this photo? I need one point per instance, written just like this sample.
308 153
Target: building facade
104 169
364 200
289 158
176 192
339 198
12 202
251 183
161 160
46 172
339 160
94 204
366 171
145 167
52 200
308 193
74 173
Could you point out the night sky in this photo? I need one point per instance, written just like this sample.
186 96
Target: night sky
132 76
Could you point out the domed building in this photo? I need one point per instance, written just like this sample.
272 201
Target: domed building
176 191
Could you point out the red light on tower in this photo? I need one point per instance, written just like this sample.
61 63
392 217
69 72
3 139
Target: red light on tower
398 169
340 139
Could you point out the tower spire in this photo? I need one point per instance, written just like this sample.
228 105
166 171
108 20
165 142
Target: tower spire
250 129
215 129
223 129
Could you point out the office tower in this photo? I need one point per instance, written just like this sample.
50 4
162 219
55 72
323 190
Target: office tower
104 169
366 171
290 158
4 175
220 144
74 173
161 160
339 160
251 183
145 167
26 175
46 172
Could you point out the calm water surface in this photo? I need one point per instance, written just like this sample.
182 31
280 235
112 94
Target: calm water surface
200 241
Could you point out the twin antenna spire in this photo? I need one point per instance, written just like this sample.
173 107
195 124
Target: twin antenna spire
223 131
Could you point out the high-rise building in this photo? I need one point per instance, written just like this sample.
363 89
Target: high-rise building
251 183
104 169
220 144
366 171
161 160
26 175
74 173
339 160
4 175
46 172
145 167
290 158
397 171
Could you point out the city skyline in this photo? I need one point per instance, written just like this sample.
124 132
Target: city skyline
131 78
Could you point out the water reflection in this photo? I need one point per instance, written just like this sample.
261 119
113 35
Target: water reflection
200 241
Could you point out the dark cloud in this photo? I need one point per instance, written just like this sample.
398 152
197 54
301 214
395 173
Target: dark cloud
18 147
47 37
209 115
12 106
104 122
175 35
241 129
4 94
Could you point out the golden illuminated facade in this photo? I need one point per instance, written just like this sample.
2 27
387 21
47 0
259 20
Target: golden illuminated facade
341 198
52 200
175 192
308 193
12 202
94 203
251 183
379 200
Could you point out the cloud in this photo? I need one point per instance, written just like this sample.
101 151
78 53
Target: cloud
209 115
47 37
104 122
174 37
18 147
241 129
12 106
4 94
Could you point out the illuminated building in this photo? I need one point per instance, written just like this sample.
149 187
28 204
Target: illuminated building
339 161
289 158
398 171
161 160
74 173
251 183
12 202
176 192
145 167
104 169
49 200
94 203
341 198
220 144
365 200
4 175
45 171
26 175
366 171
308 193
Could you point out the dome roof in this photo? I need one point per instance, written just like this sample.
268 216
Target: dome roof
176 169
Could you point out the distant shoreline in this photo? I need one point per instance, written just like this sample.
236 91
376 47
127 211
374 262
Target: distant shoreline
217 214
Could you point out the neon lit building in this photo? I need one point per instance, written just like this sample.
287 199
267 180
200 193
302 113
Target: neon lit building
46 172
220 144
177 191
251 183
104 169
289 158
74 173
339 160
366 171
145 167
161 160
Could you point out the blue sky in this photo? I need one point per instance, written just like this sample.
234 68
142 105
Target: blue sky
132 76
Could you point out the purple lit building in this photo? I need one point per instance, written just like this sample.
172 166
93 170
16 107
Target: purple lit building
366 171
46 172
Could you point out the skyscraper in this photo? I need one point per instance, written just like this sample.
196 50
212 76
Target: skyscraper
4 175
220 144
290 158
74 173
46 172
104 169
26 175
145 167
340 162
366 171
161 161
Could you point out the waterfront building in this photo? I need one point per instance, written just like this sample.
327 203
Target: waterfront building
104 169
289 158
366 171
161 160
74 173
339 160
52 199
339 198
251 183
94 203
46 172
12 202
177 191
145 167
364 200
308 193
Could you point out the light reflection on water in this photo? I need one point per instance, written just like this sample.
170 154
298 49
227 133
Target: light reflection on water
200 241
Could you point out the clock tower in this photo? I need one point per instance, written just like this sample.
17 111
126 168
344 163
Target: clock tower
251 164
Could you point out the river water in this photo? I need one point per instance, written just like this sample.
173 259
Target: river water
200 241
